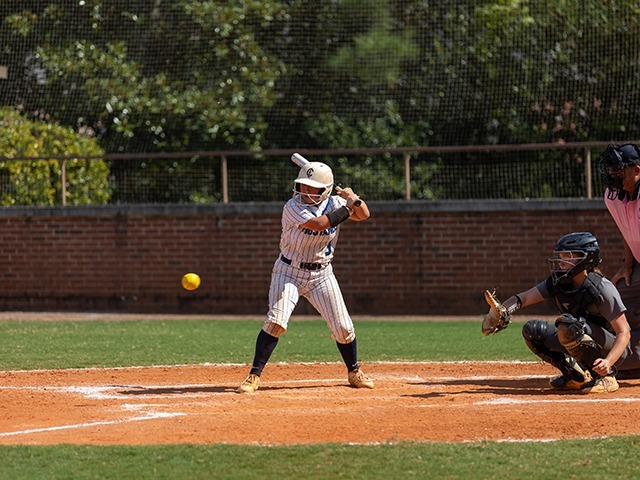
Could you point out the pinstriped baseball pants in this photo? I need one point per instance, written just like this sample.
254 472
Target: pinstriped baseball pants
319 287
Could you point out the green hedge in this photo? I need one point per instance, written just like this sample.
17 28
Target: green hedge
39 182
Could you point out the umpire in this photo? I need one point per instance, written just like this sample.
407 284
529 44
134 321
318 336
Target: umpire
619 167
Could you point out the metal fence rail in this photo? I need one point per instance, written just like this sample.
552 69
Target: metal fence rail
548 170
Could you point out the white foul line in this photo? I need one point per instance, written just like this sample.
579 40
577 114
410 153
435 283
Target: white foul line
510 401
95 393
149 416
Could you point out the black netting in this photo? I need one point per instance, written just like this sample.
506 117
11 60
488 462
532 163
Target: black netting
149 77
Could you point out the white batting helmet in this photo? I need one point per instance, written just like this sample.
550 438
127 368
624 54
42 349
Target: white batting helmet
317 175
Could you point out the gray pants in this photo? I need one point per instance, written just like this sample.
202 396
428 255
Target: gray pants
631 299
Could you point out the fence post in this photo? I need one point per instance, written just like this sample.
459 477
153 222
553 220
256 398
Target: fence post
225 179
407 176
63 181
587 166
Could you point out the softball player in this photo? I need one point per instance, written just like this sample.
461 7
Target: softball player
590 338
310 229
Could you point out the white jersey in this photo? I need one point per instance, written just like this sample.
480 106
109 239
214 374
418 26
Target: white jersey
305 245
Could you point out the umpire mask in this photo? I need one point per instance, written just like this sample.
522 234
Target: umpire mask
611 165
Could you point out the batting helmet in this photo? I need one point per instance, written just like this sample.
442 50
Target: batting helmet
317 175
574 253
611 163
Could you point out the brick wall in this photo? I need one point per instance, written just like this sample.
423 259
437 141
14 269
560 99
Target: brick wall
412 258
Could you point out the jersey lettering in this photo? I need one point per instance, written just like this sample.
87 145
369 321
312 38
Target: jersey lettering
328 231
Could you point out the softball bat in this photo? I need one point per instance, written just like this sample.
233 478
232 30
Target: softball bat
299 160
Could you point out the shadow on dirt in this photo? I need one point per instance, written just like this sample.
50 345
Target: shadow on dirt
140 390
176 390
522 387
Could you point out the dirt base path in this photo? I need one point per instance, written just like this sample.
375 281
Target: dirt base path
302 404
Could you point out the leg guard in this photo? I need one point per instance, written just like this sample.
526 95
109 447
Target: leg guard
265 344
349 352
573 337
535 333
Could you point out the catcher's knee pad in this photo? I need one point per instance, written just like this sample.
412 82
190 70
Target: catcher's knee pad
535 331
572 336
273 329
570 329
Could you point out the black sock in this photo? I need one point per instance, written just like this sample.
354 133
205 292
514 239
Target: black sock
349 354
265 345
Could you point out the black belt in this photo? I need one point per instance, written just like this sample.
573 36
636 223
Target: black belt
304 265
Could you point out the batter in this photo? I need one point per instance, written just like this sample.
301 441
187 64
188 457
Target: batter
310 228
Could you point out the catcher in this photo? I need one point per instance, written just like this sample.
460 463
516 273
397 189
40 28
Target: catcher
591 335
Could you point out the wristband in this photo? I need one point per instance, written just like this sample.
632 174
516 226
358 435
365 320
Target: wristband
513 303
338 216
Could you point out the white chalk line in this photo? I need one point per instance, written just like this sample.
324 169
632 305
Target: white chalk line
144 411
110 392
511 401
147 416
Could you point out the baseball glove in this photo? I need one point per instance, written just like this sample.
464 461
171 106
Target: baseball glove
498 317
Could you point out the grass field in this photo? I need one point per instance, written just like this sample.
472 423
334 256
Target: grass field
30 344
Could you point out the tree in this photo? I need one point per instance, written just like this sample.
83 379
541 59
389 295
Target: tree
147 76
39 181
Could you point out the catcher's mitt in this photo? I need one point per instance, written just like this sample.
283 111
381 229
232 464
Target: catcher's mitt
498 317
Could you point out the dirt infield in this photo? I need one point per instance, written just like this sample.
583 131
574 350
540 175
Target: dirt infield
308 403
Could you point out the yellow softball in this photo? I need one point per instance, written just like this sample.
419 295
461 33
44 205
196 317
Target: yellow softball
190 281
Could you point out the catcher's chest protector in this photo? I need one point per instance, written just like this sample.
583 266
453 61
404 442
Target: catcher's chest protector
576 302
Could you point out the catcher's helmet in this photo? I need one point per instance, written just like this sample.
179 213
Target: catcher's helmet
611 163
317 175
574 253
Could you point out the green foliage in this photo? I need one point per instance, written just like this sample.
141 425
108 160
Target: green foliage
190 75
38 182
374 56
163 91
382 174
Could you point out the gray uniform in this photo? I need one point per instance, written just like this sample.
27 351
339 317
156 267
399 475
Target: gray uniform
598 308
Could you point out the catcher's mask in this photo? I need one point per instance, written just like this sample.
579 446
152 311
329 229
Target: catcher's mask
611 164
572 254
317 175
